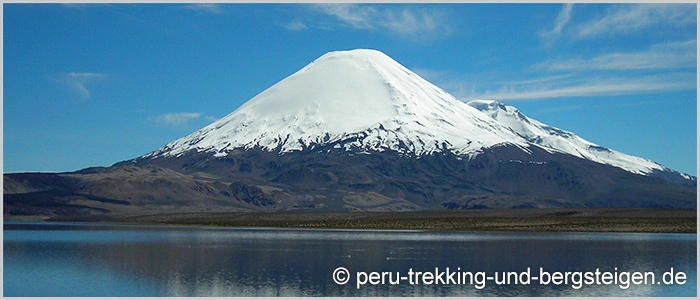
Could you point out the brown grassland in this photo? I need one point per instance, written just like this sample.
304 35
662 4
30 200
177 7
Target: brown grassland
543 219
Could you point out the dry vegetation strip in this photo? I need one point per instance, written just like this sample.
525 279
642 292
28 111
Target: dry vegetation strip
573 220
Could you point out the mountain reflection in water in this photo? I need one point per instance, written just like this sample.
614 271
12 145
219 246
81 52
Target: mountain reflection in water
117 260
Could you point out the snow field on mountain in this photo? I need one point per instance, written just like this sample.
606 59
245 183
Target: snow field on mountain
341 95
563 141
363 100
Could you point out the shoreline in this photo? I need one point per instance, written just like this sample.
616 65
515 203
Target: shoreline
641 220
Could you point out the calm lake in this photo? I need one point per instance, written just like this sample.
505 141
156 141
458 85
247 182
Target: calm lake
69 259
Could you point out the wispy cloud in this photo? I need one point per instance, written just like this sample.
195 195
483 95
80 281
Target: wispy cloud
562 19
407 22
625 19
593 71
353 15
590 86
181 118
560 109
621 19
77 82
209 8
669 55
540 80
295 25
177 118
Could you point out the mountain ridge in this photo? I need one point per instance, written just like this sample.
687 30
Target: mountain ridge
564 141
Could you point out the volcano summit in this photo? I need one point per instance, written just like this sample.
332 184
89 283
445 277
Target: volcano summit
355 130
356 100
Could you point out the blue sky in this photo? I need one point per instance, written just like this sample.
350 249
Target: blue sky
94 84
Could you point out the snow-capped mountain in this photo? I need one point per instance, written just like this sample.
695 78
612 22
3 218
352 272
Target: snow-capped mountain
355 130
568 142
363 100
361 96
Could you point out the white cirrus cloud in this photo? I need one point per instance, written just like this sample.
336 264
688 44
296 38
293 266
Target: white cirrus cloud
589 87
407 22
210 8
295 25
668 55
353 15
77 82
626 18
562 19
177 118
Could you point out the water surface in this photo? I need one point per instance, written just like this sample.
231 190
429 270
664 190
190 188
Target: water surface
68 259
